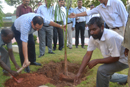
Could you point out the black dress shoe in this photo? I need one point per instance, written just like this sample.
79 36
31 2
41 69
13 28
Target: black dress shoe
27 69
60 49
40 56
51 53
35 63
70 47
120 83
54 49
83 47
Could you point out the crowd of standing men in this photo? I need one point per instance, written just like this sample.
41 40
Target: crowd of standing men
109 41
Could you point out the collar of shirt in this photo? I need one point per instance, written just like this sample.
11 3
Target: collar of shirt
108 4
24 6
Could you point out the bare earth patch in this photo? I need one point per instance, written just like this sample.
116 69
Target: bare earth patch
50 73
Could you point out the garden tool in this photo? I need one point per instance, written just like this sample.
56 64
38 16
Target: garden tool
17 80
20 79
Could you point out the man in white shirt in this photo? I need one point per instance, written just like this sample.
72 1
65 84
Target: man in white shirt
113 13
46 31
60 19
110 45
80 24
126 42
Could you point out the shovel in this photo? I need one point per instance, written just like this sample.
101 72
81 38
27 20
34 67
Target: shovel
20 79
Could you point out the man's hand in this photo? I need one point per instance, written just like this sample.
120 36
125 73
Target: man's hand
126 52
86 25
13 73
17 67
77 79
72 28
92 63
63 27
72 15
26 63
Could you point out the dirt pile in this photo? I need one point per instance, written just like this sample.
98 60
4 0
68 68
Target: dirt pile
49 73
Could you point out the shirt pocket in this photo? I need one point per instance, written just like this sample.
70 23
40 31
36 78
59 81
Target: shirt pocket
113 15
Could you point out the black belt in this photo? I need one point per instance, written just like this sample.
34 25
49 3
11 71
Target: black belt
81 22
59 22
115 28
69 23
46 26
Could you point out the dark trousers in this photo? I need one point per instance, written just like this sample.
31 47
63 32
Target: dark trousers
31 46
79 27
60 35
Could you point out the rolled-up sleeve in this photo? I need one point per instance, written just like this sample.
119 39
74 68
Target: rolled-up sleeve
9 45
93 11
91 45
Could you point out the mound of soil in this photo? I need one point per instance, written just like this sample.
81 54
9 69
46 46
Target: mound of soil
49 73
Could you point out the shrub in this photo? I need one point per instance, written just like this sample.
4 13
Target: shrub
35 38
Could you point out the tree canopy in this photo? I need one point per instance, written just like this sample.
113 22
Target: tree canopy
1 15
33 3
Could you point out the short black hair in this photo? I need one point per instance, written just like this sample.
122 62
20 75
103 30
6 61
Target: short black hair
5 32
37 20
61 0
38 2
96 20
79 0
92 5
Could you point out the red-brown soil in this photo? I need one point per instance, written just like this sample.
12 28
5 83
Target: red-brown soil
50 73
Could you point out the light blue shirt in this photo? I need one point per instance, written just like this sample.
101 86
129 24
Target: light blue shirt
23 25
83 18
47 13
71 10
114 13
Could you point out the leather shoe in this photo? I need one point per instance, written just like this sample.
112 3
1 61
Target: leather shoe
40 56
27 69
54 49
35 63
120 83
70 47
83 47
51 52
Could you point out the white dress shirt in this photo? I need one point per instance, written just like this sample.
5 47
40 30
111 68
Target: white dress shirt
60 14
47 13
114 13
110 44
80 19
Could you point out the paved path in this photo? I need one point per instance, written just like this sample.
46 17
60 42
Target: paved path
73 41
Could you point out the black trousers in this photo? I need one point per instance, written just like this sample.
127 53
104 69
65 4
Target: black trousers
60 35
31 46
79 27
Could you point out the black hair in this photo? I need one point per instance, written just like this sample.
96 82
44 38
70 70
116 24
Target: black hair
5 32
61 0
79 0
96 20
91 5
37 20
38 2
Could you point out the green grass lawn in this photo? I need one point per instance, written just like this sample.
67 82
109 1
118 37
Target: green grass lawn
74 55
